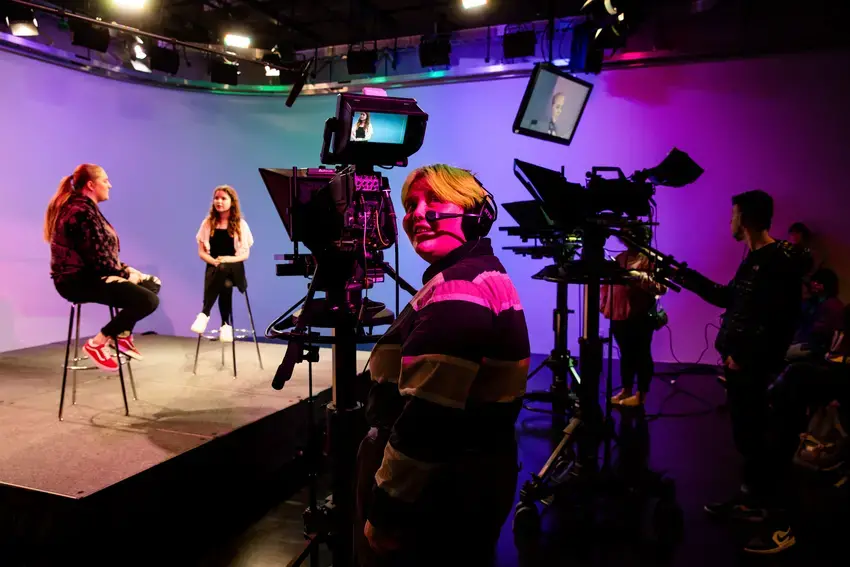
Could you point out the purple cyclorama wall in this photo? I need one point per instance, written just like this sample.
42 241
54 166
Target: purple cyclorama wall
779 124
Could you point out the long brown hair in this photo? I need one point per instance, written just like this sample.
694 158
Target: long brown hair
234 221
68 186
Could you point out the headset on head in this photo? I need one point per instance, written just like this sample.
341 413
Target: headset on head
478 222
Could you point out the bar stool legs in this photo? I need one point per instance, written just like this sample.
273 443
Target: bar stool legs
253 330
77 366
233 345
65 366
120 366
76 358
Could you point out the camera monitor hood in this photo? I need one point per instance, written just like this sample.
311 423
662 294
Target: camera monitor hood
371 130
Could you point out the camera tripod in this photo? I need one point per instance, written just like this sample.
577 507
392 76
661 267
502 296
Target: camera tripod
573 472
560 363
344 311
574 462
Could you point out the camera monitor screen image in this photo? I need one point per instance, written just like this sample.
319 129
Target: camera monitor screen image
373 130
552 105
378 127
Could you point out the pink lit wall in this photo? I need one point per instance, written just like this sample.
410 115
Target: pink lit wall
778 124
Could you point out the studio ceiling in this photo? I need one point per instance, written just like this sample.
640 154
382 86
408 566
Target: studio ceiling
305 24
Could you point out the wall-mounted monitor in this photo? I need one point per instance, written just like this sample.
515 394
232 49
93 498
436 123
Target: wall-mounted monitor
552 105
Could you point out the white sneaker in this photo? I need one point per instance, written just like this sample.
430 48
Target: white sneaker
200 324
226 334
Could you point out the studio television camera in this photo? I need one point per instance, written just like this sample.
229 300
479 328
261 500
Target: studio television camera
345 218
569 223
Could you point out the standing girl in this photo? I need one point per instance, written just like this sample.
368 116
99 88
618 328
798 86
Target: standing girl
224 241
630 309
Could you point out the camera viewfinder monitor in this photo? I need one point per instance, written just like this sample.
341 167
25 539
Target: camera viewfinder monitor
552 105
373 130
378 127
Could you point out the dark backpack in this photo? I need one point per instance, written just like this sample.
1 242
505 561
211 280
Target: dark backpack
823 447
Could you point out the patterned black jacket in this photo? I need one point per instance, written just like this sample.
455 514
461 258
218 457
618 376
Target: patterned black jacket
448 376
84 244
763 305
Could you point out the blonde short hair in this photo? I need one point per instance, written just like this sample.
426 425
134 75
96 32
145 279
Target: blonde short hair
449 184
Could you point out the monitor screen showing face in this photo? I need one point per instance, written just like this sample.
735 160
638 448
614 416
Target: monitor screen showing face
552 106
378 127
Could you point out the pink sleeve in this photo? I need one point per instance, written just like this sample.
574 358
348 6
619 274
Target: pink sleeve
203 235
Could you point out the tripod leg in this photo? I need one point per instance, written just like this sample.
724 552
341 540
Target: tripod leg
540 367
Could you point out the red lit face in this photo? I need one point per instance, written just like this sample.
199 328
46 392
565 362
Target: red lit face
431 239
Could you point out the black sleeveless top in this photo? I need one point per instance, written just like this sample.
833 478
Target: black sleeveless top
360 132
221 244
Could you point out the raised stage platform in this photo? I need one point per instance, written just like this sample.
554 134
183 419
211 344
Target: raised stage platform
194 450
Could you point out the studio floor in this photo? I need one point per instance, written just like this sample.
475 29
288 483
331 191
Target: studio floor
684 434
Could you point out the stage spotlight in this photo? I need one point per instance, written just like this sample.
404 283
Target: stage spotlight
139 51
164 59
435 51
89 36
224 73
469 4
134 5
605 9
612 36
585 56
20 19
236 40
519 44
139 66
361 62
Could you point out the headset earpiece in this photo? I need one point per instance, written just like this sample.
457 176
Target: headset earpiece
475 227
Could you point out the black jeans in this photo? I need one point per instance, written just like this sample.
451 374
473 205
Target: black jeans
218 284
634 339
754 434
135 301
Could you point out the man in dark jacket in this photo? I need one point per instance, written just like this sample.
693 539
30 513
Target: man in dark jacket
763 304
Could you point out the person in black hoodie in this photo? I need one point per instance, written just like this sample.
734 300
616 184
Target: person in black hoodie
762 311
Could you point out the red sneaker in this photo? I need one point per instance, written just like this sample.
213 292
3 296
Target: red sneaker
126 345
101 355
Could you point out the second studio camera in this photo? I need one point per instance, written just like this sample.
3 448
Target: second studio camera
344 216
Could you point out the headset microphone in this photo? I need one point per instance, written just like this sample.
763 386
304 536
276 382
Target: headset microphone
431 216
476 224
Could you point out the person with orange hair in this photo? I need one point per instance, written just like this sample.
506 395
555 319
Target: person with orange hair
224 243
85 267
437 472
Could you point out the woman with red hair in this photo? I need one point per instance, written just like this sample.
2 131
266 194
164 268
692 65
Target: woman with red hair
85 267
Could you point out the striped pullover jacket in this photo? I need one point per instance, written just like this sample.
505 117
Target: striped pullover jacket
448 377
